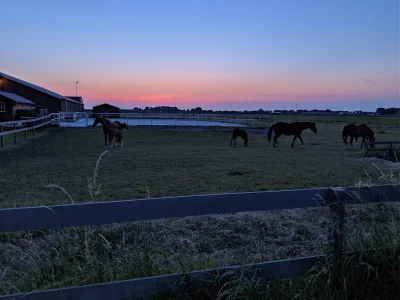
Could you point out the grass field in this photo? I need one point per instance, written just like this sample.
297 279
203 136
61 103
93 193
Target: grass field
164 162
175 162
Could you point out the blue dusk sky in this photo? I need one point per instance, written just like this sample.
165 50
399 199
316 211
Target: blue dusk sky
247 54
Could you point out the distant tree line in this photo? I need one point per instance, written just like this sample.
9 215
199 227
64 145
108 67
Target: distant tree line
388 111
199 110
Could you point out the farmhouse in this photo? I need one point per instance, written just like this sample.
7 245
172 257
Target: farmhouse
42 97
9 103
106 108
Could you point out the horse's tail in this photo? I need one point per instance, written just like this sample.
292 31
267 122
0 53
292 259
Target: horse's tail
270 132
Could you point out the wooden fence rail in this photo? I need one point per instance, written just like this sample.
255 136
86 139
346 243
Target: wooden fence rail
30 124
71 215
389 145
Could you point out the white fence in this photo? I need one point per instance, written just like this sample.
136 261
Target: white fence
26 125
155 119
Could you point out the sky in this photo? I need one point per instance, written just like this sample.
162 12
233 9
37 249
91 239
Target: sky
219 54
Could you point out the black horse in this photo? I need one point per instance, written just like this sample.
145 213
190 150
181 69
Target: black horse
239 132
355 132
295 129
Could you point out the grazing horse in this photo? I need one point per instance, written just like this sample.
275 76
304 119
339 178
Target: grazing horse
355 132
295 129
348 131
107 126
239 132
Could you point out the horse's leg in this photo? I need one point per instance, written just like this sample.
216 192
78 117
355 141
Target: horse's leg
301 140
362 141
295 137
105 139
110 138
276 139
232 139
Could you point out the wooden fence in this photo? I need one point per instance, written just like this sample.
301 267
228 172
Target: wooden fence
10 128
72 215
389 145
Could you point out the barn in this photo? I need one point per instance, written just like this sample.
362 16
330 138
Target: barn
106 108
42 97
9 103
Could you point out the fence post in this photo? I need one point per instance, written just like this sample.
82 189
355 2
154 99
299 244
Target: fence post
15 134
337 206
41 121
2 137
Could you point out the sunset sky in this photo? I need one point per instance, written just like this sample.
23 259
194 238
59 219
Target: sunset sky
247 54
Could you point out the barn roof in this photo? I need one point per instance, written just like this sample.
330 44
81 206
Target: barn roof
105 105
78 99
38 88
15 98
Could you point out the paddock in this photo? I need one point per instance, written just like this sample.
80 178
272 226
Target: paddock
161 161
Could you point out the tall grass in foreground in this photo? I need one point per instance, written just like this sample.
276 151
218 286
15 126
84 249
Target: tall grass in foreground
368 269
49 259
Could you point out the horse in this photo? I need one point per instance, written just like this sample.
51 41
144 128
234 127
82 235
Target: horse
117 132
295 129
107 125
355 132
239 132
348 131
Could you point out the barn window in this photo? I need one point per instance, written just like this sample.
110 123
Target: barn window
2 106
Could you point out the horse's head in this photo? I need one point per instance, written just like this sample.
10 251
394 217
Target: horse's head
97 120
314 127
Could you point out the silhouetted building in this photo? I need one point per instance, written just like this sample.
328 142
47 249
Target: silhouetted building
42 97
106 109
9 103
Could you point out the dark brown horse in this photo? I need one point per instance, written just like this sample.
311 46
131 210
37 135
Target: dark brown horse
239 132
355 132
107 127
295 129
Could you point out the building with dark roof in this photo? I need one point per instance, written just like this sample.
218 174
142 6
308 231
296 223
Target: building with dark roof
42 97
9 103
106 108
76 98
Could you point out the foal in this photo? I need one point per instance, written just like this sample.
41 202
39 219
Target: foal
118 134
116 131
239 132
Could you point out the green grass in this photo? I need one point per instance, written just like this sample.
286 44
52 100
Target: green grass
172 163
159 162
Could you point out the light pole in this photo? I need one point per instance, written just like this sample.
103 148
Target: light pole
77 89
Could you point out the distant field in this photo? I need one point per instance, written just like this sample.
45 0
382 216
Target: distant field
158 162
177 162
